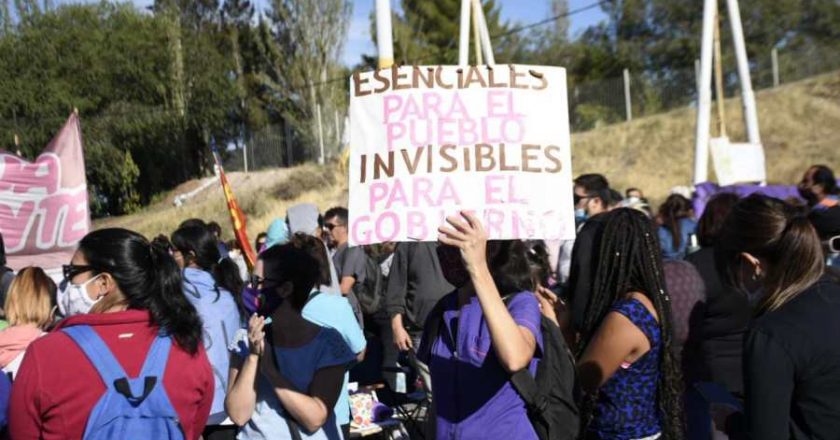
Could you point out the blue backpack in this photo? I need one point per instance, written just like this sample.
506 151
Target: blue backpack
131 407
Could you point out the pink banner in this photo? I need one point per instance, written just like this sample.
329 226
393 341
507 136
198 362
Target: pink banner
44 205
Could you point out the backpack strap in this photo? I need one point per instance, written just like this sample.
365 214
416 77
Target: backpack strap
97 352
524 383
156 359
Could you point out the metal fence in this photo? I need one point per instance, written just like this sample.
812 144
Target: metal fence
635 94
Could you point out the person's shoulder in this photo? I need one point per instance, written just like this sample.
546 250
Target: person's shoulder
334 345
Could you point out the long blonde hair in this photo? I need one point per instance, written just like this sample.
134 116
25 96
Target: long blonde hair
31 299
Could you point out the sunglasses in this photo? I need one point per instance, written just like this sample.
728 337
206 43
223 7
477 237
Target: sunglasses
578 198
71 270
331 226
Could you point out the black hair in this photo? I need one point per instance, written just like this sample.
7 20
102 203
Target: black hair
338 212
260 236
148 278
675 208
316 249
198 245
192 222
539 262
824 177
288 264
509 265
592 182
615 198
2 252
711 222
631 189
215 229
630 260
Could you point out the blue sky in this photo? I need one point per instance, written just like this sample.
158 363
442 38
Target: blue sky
515 11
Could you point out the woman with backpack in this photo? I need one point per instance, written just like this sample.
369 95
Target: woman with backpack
287 373
626 368
479 335
213 285
30 308
127 362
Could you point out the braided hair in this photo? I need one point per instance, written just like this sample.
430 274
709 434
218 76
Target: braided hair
631 261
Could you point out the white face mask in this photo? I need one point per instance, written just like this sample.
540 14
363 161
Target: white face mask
74 300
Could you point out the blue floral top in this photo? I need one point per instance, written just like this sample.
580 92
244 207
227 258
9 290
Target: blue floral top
627 403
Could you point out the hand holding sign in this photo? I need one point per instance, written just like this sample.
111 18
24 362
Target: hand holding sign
467 234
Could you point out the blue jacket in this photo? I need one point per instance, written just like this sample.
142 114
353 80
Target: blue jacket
221 320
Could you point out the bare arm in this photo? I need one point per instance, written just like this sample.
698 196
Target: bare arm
347 284
241 396
616 341
310 409
514 345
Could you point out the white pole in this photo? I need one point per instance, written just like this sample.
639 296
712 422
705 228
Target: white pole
704 102
628 106
486 46
245 156
774 56
697 73
464 40
320 133
750 114
384 36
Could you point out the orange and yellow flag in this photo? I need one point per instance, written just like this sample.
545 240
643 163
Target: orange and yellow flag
237 217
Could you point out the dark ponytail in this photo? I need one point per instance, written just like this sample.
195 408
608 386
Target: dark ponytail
198 245
148 278
675 208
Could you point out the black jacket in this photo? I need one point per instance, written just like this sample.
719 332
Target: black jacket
792 368
717 338
415 283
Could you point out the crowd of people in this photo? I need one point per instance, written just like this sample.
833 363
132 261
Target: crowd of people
650 324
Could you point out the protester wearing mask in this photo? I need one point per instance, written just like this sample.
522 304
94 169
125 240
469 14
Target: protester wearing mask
481 340
30 309
213 285
287 374
791 355
590 193
819 188
128 312
332 310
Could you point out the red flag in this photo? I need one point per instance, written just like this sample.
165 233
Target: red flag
237 217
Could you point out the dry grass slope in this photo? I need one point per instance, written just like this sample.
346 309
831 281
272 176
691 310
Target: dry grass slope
800 126
799 123
262 195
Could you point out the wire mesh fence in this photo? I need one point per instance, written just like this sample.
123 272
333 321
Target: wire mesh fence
608 101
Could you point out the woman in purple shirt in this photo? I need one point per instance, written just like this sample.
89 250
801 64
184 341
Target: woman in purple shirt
482 338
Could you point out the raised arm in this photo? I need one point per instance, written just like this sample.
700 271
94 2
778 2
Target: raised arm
514 344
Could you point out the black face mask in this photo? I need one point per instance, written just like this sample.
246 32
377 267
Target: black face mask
453 266
808 195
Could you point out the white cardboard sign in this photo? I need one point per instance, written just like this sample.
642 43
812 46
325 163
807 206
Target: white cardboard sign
429 141
737 163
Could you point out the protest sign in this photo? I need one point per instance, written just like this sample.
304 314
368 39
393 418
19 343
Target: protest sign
429 141
44 204
737 163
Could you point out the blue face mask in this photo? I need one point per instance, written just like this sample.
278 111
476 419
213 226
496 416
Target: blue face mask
580 216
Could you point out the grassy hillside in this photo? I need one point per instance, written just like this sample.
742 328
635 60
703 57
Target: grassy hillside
263 195
799 122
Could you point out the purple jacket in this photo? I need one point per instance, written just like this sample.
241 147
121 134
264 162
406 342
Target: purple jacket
472 392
